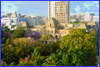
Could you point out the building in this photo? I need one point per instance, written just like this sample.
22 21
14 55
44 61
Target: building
92 26
13 19
59 10
88 17
53 27
92 14
32 20
43 20
96 18
72 20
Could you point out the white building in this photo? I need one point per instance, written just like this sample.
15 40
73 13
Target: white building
14 19
96 18
33 20
73 20
88 17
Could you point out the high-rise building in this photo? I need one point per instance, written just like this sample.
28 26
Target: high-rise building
60 10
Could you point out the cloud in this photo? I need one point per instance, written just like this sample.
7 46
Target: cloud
77 4
84 6
32 7
40 8
95 1
77 8
87 5
9 6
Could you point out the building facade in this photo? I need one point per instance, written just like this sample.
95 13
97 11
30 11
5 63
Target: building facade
59 10
96 18
88 17
32 20
53 27
13 19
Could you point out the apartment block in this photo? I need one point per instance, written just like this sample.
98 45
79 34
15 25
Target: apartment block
60 10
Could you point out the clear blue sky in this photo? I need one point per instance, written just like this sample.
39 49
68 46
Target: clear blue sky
40 8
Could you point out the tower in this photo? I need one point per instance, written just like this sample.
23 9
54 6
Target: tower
60 10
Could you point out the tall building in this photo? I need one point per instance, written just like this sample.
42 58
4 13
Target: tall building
59 10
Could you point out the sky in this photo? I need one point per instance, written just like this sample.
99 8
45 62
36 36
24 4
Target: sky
40 8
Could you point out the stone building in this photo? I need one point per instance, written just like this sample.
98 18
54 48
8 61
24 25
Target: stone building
54 28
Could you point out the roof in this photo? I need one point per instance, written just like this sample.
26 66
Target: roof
53 22
82 26
91 23
25 24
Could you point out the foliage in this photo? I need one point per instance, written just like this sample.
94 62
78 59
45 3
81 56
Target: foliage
8 41
3 63
82 40
33 34
13 64
4 36
86 22
78 48
45 48
45 37
18 33
78 38
27 61
29 41
41 24
74 22
5 28
7 53
13 26
72 57
36 55
97 23
12 53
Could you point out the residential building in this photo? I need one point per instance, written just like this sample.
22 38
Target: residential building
33 20
13 19
43 20
59 10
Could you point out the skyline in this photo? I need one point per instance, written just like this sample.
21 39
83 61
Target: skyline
41 9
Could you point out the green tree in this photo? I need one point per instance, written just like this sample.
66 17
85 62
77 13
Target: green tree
18 33
13 26
79 38
36 55
45 37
